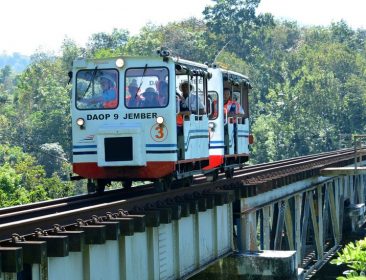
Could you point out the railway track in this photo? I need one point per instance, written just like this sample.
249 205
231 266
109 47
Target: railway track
44 218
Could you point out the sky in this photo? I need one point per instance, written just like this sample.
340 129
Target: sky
318 12
27 26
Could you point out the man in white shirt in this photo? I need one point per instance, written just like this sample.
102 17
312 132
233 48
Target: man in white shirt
190 99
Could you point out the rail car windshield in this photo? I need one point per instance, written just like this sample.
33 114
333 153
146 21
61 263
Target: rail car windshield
146 87
96 89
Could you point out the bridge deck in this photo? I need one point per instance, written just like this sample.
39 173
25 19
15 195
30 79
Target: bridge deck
347 170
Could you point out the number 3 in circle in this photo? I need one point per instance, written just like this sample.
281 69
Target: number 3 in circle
158 132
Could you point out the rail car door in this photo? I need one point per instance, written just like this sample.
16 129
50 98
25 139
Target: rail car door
242 135
195 137
193 142
235 124
229 135
216 128
215 112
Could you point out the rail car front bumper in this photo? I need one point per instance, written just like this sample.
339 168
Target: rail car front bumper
121 145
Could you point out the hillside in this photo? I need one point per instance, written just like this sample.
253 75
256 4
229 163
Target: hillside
17 61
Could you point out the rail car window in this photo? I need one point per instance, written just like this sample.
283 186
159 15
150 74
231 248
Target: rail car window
147 87
212 105
96 89
236 97
194 100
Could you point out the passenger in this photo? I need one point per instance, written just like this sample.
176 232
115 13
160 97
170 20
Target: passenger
189 98
150 98
183 108
134 99
214 107
231 107
181 103
163 93
108 98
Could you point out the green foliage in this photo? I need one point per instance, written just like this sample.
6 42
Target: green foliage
35 120
103 42
52 157
230 61
22 180
233 23
183 37
308 87
266 139
354 256
70 51
145 43
41 101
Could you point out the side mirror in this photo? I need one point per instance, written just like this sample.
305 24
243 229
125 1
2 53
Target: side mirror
70 77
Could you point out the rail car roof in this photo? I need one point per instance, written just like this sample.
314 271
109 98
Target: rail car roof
228 74
82 62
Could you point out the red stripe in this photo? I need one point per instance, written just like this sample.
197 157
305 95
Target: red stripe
215 160
153 170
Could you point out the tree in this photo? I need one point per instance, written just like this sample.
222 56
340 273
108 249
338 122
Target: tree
70 51
22 180
101 42
184 39
42 103
53 158
145 43
231 24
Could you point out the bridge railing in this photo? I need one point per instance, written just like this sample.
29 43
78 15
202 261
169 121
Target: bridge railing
359 143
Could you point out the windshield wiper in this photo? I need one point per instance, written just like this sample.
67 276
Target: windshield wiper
143 75
92 79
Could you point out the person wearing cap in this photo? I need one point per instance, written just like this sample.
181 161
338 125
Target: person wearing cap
150 98
231 107
189 99
133 100
187 104
162 87
108 98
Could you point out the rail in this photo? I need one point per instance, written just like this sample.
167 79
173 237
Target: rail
23 220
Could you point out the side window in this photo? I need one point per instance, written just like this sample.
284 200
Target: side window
212 105
96 89
198 82
191 95
146 87
239 97
236 97
163 91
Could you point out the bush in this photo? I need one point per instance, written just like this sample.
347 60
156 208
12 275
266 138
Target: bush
354 256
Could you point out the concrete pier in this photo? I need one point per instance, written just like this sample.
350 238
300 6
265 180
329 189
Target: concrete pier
267 264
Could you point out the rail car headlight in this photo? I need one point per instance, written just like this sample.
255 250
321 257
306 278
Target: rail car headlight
211 125
159 120
80 122
120 62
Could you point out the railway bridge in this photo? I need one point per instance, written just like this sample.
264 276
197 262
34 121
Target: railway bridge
282 220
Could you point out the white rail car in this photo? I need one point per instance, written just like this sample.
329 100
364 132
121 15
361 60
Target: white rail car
130 121
229 132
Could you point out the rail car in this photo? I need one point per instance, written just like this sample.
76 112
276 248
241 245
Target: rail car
128 122
229 133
